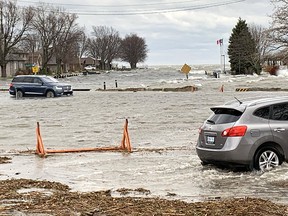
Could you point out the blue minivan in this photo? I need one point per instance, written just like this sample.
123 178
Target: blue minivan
38 85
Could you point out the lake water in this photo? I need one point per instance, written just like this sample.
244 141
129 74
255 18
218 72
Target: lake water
163 128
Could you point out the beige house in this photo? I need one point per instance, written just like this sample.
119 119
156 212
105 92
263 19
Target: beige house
85 61
17 61
72 65
22 62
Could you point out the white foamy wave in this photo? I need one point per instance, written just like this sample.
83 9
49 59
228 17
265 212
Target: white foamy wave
197 78
255 81
283 73
203 72
171 81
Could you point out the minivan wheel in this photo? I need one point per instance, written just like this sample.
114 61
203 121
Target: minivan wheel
267 158
19 94
50 94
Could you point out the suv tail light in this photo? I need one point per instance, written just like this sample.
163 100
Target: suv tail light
237 131
199 130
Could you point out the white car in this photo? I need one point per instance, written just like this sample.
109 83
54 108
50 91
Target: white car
90 67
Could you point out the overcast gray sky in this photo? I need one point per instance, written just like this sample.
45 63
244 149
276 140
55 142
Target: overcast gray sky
176 32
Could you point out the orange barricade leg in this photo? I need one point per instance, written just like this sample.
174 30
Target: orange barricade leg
128 138
39 147
122 146
222 88
125 144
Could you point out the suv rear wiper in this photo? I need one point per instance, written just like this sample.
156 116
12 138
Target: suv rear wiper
210 121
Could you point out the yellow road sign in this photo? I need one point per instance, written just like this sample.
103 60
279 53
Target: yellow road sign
35 69
185 69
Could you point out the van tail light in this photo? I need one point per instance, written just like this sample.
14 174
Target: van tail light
237 131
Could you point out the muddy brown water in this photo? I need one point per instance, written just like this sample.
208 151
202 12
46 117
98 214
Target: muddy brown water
163 128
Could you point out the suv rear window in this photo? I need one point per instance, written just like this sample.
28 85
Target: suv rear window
223 116
280 112
28 79
17 79
263 112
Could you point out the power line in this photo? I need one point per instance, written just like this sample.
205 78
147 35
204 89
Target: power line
142 11
160 11
110 6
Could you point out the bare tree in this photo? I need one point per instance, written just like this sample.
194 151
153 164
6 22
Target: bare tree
82 46
263 45
92 48
113 49
82 43
133 50
66 43
14 23
278 30
48 22
71 53
105 45
31 43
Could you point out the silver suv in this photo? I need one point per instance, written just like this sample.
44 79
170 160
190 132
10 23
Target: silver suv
253 133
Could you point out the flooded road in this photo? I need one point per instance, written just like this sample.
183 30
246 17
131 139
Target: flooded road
163 128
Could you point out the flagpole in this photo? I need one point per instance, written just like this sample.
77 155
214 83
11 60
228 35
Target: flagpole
221 54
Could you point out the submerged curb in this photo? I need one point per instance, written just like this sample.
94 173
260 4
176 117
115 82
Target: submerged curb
179 89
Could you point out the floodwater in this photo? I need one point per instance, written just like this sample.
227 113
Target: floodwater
163 129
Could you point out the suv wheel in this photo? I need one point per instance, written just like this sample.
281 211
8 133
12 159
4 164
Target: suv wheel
50 94
267 158
19 94
204 163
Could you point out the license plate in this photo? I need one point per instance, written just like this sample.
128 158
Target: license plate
210 140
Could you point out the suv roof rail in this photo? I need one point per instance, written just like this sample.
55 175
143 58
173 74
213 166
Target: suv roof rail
254 101
265 100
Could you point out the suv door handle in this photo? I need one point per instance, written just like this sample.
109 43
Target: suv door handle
279 130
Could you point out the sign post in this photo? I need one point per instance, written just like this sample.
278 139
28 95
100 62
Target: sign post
186 69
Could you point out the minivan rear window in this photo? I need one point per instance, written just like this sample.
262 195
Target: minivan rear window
224 116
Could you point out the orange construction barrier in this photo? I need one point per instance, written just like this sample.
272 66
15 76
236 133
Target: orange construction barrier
124 146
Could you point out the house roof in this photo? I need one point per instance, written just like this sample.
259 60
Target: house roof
15 57
89 61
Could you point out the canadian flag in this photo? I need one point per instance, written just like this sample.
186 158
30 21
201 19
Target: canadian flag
220 41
